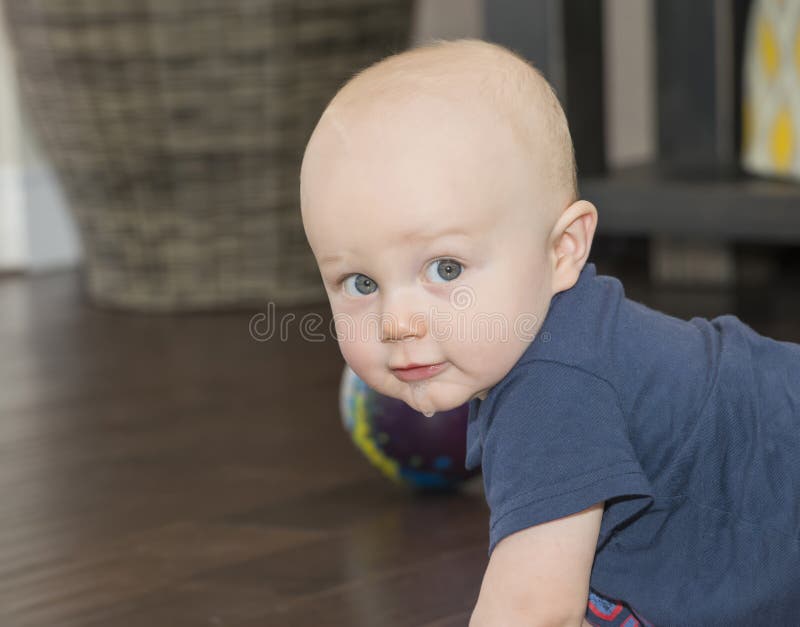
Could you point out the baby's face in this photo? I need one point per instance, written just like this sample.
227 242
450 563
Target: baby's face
429 250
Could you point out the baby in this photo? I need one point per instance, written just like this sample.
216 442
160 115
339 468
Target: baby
627 456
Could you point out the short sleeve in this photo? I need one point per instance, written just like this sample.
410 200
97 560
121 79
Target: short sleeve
553 442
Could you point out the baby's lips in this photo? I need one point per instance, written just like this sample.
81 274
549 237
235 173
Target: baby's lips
416 372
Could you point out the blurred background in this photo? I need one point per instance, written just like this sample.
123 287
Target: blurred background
175 448
106 116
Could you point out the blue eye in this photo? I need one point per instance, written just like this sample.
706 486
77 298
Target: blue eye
359 285
443 270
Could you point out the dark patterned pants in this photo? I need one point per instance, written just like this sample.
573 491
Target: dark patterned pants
602 612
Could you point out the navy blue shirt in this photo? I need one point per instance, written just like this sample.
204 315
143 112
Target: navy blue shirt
690 433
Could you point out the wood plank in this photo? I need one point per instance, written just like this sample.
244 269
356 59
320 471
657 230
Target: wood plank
171 470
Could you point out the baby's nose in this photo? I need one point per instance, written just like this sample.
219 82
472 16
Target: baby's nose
400 323
394 330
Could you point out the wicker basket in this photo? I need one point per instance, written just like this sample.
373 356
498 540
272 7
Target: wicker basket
177 129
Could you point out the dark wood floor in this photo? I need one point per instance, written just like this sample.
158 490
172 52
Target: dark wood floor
171 471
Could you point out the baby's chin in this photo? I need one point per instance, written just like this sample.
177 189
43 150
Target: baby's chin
432 396
443 392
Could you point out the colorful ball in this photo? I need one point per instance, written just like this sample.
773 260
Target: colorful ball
407 447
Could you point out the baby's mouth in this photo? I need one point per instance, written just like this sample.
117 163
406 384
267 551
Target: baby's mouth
419 372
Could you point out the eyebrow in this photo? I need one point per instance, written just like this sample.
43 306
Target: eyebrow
455 231
329 259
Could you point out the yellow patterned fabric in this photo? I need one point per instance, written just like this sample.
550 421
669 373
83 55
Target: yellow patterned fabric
771 98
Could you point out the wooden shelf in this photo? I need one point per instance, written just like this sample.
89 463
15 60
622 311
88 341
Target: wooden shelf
643 201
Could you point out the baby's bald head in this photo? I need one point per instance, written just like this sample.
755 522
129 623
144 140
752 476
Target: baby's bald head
477 84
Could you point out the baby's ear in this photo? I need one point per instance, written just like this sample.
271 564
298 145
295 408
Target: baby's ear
573 234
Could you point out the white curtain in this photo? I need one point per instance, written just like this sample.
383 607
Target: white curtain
36 230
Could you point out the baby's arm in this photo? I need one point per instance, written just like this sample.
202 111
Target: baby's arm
540 575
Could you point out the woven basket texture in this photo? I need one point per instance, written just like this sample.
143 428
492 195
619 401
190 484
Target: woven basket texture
177 129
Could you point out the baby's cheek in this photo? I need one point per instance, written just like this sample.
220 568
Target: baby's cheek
362 355
371 370
355 354
491 353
